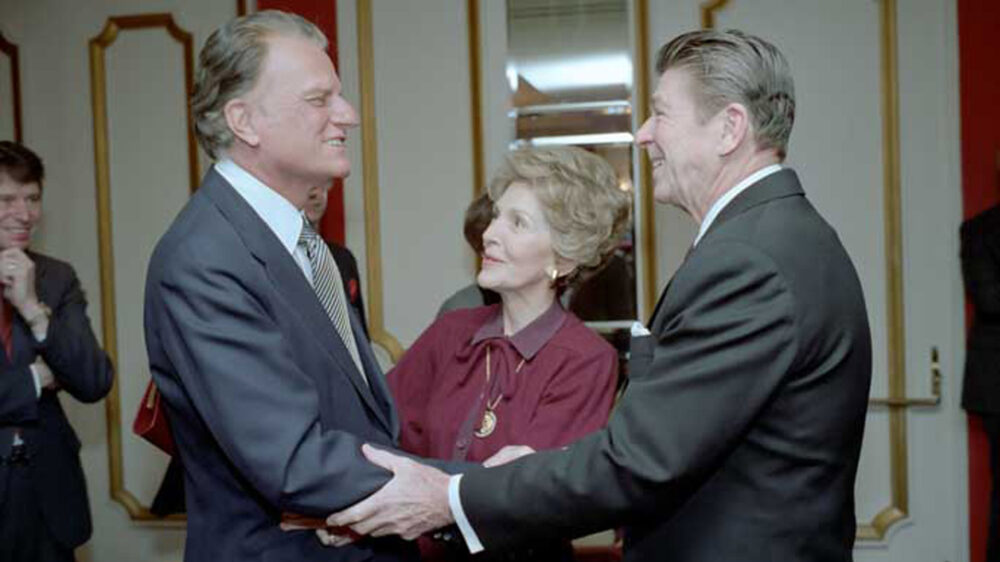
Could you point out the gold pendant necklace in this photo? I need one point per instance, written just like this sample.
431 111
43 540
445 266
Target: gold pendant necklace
489 423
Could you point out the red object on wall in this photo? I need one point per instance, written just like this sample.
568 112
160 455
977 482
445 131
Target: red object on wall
323 13
978 22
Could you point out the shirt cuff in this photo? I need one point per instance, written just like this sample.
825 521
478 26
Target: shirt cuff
38 381
455 503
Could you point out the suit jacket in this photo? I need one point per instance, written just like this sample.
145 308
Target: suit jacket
83 370
267 408
980 237
739 435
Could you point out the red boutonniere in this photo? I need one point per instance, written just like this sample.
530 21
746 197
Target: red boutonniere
352 289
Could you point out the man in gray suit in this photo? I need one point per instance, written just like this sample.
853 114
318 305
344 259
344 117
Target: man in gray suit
739 435
268 379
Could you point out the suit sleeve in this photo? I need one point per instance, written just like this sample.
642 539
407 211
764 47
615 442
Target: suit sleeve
261 409
70 348
981 266
723 345
577 401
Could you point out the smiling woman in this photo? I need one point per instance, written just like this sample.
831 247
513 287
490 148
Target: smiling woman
525 371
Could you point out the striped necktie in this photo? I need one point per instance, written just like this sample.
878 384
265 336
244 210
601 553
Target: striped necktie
330 289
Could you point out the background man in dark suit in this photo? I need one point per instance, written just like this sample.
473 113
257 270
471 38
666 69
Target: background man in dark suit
269 382
739 435
48 346
981 389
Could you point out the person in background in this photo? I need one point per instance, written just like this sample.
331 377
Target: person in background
478 216
346 263
524 371
980 252
48 347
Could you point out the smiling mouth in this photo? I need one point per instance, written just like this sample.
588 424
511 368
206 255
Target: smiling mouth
334 142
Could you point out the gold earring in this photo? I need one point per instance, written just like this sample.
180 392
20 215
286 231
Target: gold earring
554 275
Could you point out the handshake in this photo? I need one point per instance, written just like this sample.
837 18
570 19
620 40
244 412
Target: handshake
413 502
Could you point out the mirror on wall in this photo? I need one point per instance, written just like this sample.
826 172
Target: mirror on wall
570 74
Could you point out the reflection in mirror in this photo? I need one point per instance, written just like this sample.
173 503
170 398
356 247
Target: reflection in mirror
569 70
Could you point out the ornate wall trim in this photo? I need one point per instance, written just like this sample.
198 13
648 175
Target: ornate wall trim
369 156
10 49
98 83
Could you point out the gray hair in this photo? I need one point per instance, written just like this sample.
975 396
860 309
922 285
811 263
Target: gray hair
736 67
586 210
229 65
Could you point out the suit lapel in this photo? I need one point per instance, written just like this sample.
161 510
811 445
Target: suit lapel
289 282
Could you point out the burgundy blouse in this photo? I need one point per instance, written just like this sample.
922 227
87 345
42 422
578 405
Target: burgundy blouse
563 390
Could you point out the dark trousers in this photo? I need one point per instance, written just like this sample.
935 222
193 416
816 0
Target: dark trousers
24 535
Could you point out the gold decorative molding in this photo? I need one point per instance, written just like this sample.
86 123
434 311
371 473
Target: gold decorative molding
898 508
369 156
10 49
98 46
475 98
708 10
643 89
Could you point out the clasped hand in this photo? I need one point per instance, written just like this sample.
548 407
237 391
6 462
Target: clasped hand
413 502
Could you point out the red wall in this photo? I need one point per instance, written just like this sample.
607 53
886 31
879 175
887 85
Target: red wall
323 13
979 80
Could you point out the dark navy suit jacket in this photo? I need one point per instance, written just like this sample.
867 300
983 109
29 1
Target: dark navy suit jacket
83 370
266 406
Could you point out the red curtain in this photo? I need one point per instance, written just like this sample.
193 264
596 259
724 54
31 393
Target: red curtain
323 13
978 22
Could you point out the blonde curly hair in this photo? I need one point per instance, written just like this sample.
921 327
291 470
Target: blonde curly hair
586 210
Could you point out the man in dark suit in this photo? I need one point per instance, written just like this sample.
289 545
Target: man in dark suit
269 383
739 435
980 237
48 346
170 496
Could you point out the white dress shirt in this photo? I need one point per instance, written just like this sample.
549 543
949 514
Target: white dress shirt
454 500
728 196
278 213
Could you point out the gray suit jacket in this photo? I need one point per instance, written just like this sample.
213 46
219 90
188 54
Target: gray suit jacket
83 370
266 406
739 435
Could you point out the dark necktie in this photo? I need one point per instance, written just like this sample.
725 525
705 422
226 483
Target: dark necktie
330 289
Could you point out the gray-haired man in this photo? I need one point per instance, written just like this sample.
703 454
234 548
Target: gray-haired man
268 379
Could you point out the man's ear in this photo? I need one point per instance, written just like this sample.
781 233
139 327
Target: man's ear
734 127
238 115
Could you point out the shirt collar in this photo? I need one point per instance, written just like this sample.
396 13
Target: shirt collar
529 339
277 212
728 196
